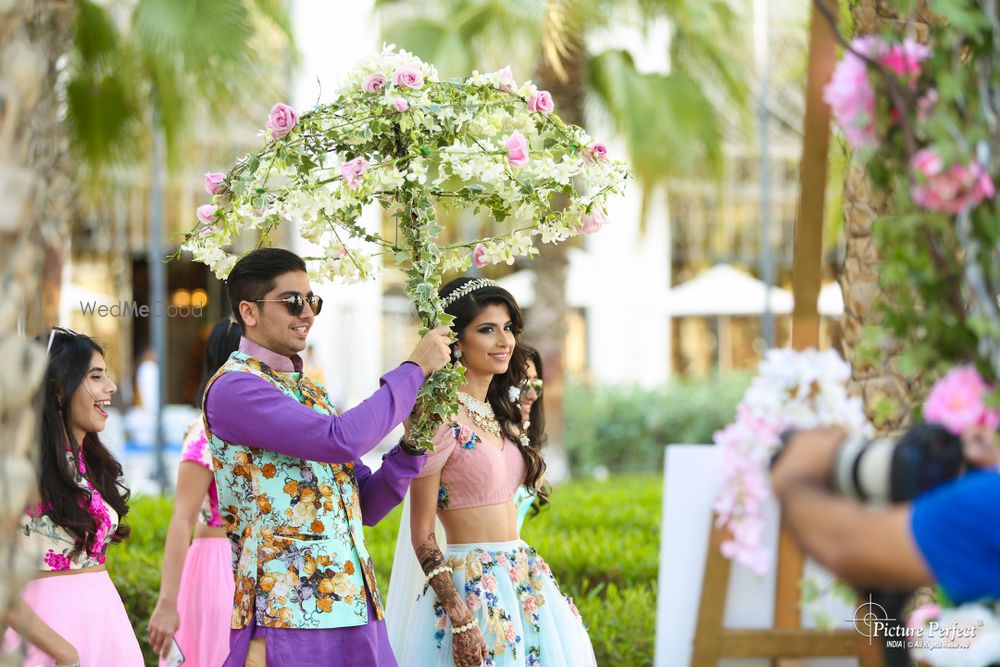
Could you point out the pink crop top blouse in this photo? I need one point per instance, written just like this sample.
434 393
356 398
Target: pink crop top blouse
474 473
196 449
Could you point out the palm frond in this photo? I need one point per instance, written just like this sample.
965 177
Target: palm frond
556 37
669 125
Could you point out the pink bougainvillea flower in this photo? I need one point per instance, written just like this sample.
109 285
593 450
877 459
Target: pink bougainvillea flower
207 213
904 59
517 149
213 181
541 101
957 401
374 82
477 256
353 170
948 189
851 96
281 120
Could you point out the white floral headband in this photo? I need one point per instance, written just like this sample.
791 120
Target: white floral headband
467 288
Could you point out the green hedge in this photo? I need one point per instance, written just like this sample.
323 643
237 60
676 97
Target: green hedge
600 538
623 428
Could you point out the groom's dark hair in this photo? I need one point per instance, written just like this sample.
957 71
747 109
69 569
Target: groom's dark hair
253 276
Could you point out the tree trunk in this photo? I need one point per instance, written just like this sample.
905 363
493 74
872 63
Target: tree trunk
887 394
546 327
36 193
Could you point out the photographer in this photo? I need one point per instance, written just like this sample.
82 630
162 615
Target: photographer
948 536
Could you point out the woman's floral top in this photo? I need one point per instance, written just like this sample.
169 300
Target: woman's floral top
55 545
196 450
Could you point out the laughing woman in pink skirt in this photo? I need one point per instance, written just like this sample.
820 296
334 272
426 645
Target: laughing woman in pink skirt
74 615
196 585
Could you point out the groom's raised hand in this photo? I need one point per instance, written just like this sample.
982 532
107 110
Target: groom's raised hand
433 351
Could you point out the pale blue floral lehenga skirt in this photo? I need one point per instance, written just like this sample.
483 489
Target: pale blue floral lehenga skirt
510 590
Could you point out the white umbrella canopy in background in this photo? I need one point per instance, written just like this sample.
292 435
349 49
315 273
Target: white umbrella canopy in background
725 291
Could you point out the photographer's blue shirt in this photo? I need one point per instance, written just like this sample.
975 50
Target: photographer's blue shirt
957 530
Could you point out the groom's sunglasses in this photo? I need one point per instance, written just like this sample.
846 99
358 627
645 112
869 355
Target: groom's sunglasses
296 303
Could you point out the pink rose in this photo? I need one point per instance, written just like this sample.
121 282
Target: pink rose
948 189
530 604
851 96
400 104
509 633
904 59
207 213
592 223
507 82
477 256
353 170
374 82
281 120
599 152
956 401
213 181
473 601
408 77
489 583
517 149
541 101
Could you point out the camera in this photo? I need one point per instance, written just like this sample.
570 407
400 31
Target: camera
887 470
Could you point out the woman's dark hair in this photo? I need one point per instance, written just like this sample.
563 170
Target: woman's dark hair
536 432
222 342
253 275
507 412
65 500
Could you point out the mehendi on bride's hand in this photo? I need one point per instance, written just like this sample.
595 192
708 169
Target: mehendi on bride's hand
468 648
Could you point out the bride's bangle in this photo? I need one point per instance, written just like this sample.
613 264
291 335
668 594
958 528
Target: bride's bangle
438 570
465 628
72 664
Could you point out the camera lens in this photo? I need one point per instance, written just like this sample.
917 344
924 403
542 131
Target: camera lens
863 469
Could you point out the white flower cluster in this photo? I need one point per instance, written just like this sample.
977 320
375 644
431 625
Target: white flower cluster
793 390
965 636
488 144
507 248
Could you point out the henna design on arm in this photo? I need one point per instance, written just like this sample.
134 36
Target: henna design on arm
468 648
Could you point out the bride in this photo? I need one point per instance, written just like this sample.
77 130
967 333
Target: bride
486 597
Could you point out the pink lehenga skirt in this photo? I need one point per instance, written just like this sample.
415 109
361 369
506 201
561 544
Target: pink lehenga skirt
87 611
205 602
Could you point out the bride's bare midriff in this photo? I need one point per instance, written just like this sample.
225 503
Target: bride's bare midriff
201 530
489 523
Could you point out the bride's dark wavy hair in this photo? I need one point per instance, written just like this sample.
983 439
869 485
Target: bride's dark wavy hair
508 413
69 362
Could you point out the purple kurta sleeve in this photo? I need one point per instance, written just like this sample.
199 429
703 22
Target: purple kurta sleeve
243 408
385 488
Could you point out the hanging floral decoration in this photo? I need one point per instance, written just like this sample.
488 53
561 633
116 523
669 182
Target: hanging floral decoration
398 136
792 390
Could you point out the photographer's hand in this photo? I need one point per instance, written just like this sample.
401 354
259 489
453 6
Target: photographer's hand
864 546
809 455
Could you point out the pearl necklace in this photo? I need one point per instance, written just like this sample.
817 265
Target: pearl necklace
482 413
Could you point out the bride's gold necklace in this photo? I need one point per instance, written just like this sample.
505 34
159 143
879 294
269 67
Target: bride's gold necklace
482 413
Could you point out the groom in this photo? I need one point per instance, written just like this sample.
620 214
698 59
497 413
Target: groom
292 490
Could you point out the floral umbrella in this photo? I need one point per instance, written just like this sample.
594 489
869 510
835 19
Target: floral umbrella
397 135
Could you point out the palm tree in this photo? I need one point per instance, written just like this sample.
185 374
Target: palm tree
885 390
82 96
668 121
